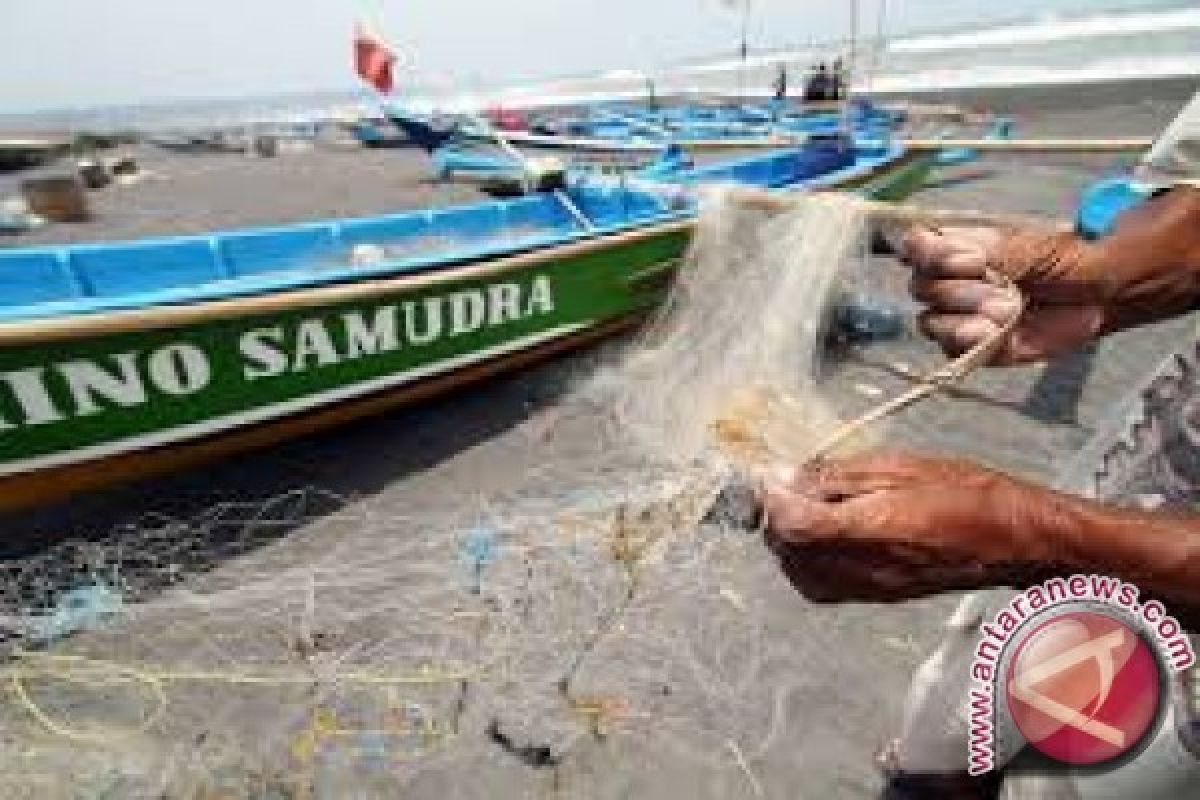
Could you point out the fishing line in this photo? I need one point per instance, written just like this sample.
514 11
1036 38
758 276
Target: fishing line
581 611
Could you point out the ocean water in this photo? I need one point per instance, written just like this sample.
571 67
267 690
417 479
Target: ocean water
1050 49
1101 47
260 112
1047 50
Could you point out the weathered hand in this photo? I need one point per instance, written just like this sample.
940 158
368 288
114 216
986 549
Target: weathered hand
1148 269
890 527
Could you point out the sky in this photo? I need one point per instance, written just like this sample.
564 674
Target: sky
69 53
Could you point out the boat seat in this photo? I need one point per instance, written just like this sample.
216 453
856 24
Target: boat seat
541 211
33 277
262 252
112 270
616 207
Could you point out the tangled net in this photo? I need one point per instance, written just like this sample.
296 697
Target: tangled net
519 638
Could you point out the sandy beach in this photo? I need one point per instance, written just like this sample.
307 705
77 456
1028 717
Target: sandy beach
485 441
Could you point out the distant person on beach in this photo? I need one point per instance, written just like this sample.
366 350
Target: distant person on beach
838 80
781 82
894 526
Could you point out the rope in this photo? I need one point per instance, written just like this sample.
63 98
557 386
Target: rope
98 674
888 214
952 373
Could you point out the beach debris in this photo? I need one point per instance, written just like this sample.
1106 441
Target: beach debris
125 170
902 644
862 318
58 198
868 390
81 609
739 758
734 597
93 174
736 507
536 756
542 423
265 146
478 551
15 217
122 165
600 712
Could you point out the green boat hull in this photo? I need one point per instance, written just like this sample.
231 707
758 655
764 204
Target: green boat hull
86 391
87 401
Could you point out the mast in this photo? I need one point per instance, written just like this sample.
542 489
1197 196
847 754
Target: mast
877 47
745 49
849 67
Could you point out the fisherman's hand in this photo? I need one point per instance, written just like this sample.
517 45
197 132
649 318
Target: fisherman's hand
891 527
1148 269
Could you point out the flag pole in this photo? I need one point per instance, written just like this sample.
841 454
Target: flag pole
378 74
745 50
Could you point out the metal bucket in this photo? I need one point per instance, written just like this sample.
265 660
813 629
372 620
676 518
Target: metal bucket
59 198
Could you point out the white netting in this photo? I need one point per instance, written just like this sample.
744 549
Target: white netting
366 653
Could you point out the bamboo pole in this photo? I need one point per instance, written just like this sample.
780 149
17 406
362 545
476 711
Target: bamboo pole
1124 145
894 213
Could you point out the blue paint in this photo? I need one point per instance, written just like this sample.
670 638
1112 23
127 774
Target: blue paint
82 609
1105 201
478 551
55 281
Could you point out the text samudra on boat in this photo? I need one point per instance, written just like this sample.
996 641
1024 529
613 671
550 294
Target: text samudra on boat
44 394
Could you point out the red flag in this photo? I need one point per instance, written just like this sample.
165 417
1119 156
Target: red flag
373 60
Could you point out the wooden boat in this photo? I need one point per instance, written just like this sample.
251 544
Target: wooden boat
202 143
629 128
377 134
18 154
883 169
126 359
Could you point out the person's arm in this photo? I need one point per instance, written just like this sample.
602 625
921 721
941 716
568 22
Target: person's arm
1158 552
1148 269
896 526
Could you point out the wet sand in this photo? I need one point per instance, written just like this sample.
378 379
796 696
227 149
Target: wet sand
1028 421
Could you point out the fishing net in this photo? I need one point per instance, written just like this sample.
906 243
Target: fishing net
566 636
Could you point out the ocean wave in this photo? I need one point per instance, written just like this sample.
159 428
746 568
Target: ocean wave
1054 29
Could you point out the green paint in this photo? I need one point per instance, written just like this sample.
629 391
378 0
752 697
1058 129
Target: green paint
590 287
586 288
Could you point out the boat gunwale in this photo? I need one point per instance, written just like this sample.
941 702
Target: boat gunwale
892 155
643 145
